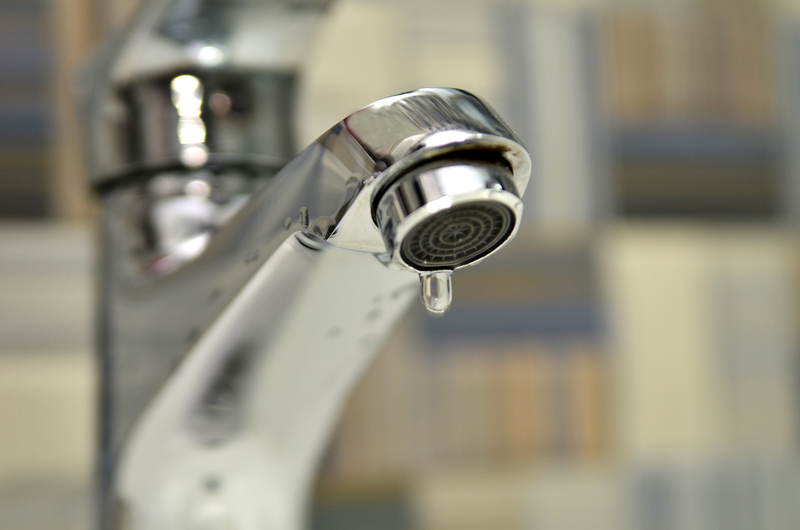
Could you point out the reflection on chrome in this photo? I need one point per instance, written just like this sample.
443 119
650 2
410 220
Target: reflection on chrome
208 54
187 96
198 188
180 216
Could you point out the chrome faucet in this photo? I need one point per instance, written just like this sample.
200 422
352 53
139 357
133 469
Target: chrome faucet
242 296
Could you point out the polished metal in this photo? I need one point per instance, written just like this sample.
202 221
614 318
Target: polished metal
240 302
449 214
244 54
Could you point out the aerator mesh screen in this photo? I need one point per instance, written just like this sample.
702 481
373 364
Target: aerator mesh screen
457 236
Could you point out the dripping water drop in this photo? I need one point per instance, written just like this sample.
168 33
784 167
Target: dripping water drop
436 290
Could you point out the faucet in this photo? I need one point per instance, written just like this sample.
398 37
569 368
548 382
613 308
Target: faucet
243 288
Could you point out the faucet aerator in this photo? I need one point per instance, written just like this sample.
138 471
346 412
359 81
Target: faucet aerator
445 215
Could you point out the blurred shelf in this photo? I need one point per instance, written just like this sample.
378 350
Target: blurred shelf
25 109
45 506
24 123
697 170
553 320
46 281
696 142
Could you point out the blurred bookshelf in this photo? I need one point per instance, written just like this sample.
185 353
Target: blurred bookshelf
692 101
25 109
42 44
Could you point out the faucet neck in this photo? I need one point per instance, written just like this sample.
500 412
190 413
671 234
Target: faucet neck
241 60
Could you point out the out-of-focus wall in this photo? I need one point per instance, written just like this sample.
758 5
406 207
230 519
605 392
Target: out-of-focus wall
47 376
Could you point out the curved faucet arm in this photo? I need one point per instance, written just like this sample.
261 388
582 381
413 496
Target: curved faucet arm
347 170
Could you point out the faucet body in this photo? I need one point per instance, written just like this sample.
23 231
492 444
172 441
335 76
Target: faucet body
241 295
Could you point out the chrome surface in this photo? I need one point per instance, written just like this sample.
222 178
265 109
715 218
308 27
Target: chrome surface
244 55
239 302
448 214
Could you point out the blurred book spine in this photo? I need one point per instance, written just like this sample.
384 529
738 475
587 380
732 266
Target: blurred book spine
682 64
24 110
691 96
508 403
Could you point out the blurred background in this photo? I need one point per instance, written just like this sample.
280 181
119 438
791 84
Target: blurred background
628 362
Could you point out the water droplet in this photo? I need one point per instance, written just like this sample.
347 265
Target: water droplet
214 296
212 483
323 226
436 291
304 217
353 183
373 314
251 256
193 335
